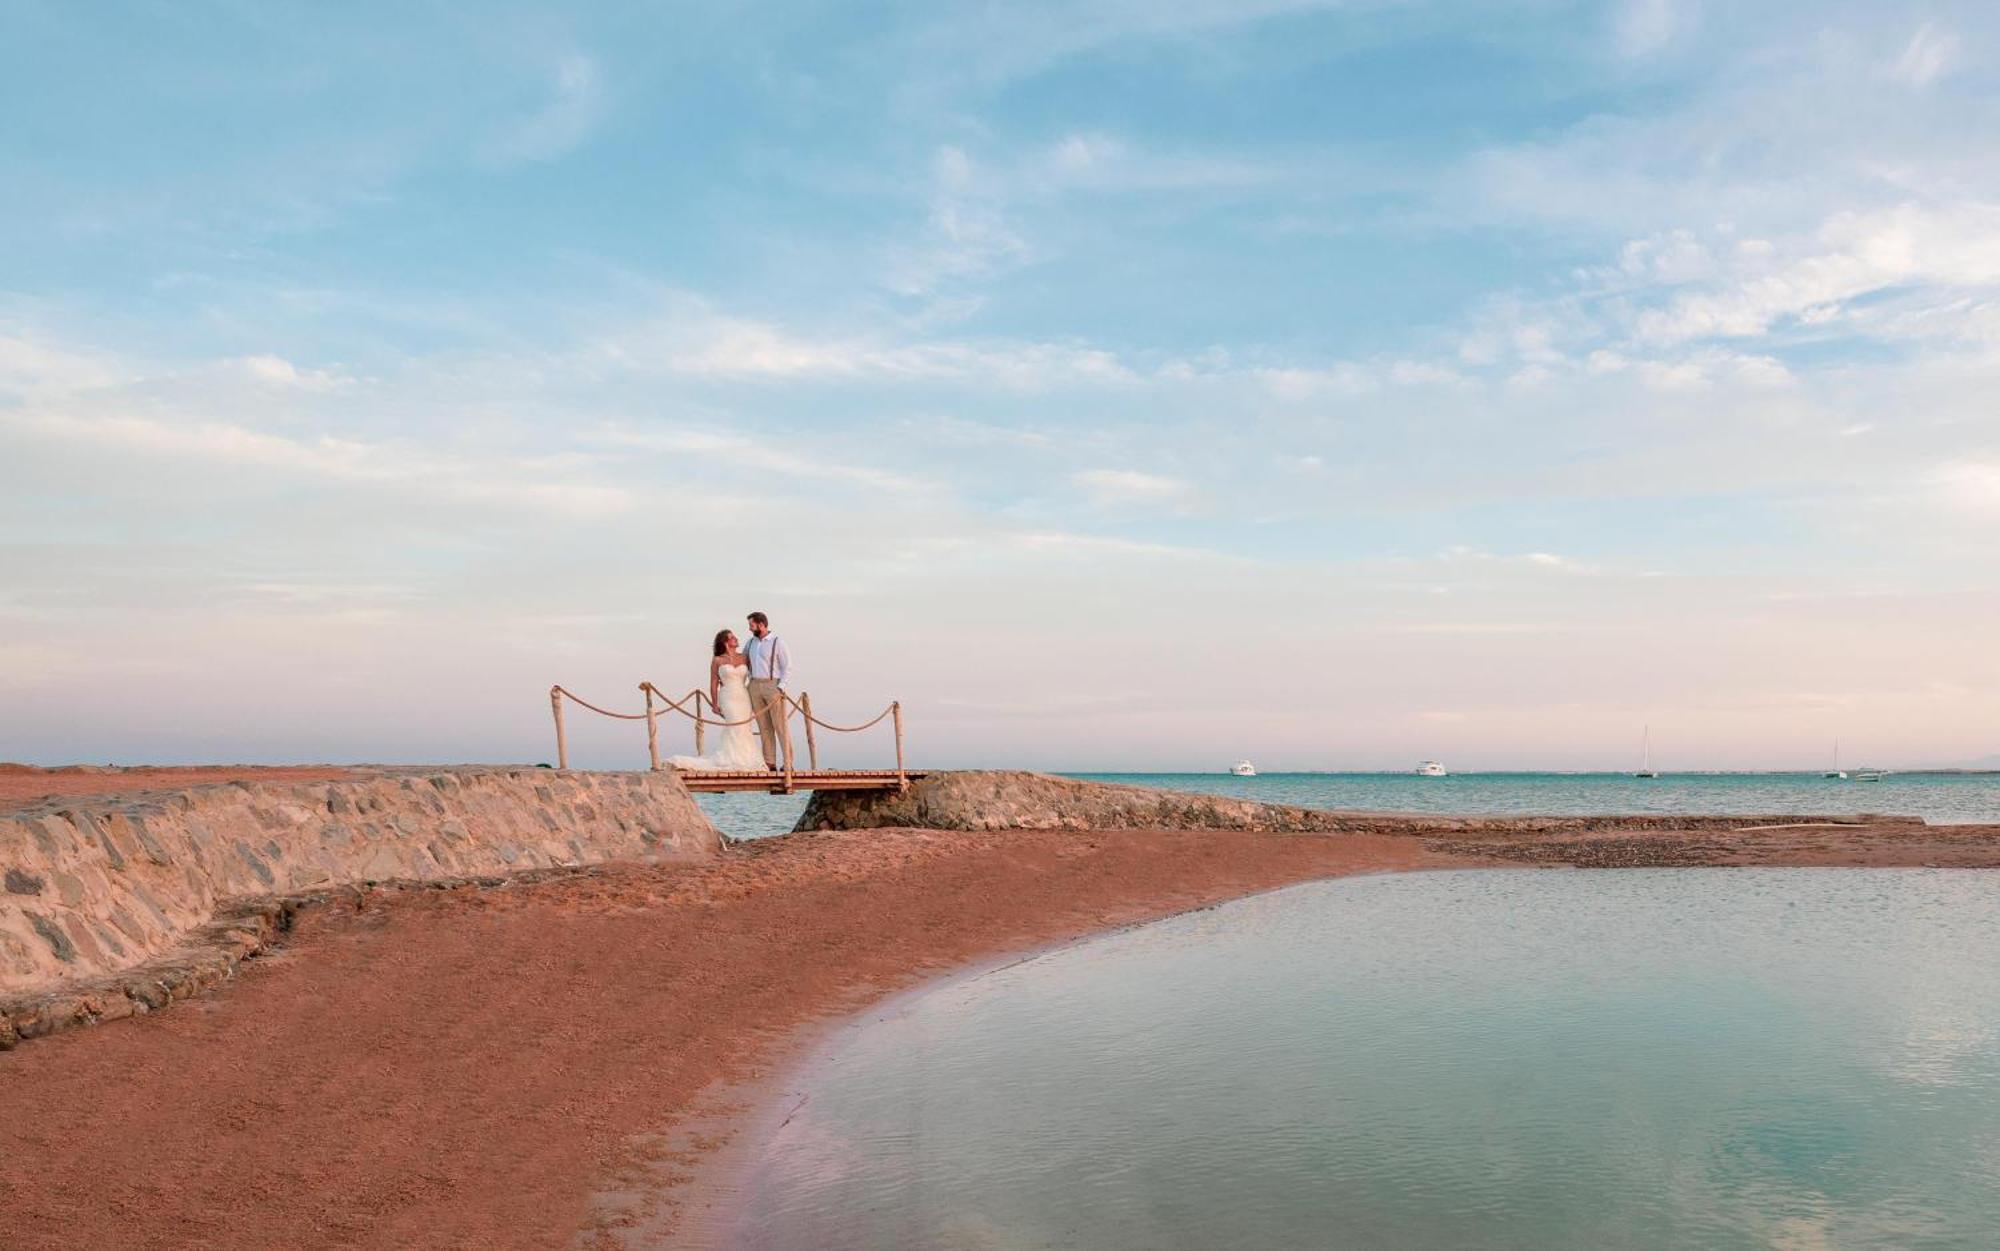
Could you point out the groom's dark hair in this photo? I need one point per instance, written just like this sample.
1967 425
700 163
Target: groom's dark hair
759 618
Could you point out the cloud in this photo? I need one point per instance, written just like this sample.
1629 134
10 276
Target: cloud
1641 28
515 483
1947 247
1931 54
574 106
278 373
696 342
1111 488
31 365
1972 486
966 233
761 453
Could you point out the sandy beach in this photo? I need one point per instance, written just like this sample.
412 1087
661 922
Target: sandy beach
479 1067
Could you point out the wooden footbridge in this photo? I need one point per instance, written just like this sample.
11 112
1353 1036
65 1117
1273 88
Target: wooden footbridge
784 779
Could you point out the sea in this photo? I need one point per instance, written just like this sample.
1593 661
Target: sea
1663 1058
1941 798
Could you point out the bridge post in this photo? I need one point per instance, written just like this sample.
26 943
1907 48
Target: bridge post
812 746
902 777
785 735
562 744
700 726
652 726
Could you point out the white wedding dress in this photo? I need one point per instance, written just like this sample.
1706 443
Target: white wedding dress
737 747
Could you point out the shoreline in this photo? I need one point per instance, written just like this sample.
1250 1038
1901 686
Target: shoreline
497 1067
574 1060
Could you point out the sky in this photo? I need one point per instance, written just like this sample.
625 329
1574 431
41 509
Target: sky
1120 384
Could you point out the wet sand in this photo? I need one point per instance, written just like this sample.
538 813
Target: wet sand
471 1068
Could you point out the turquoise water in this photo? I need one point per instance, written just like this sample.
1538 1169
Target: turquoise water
1937 797
1767 1058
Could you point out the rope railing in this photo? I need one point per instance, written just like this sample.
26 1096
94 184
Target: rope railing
698 697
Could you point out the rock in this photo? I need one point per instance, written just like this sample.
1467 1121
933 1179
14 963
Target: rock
1005 799
120 883
52 935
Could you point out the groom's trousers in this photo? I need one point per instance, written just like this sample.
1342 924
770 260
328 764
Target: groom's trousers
767 704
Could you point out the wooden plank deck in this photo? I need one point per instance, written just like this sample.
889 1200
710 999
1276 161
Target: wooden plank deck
712 782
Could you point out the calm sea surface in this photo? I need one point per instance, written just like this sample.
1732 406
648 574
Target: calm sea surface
1771 1058
1935 797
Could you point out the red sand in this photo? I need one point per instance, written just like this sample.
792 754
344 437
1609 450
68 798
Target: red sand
21 785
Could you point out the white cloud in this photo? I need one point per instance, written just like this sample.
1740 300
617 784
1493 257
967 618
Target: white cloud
280 374
1122 487
1972 486
35 366
1641 28
514 483
1852 255
759 453
575 104
699 343
1931 54
966 233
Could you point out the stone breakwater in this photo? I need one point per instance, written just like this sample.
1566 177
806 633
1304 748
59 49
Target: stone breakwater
1015 800
91 888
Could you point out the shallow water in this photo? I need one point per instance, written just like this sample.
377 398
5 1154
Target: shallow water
1787 1058
1937 797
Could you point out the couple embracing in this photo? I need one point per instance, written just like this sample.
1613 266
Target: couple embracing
746 685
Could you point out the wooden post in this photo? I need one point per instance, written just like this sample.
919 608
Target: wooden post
812 746
700 726
652 726
785 735
562 744
896 712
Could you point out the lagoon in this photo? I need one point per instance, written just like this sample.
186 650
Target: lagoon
1649 1058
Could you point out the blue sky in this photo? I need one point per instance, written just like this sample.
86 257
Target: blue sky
1119 384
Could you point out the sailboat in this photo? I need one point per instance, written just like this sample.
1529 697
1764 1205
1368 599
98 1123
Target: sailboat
1646 769
1836 771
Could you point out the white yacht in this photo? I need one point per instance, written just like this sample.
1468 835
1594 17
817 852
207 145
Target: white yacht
1869 775
1837 773
1646 769
1431 769
1243 769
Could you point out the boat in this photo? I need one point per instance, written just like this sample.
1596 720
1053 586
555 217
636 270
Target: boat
1646 769
1431 769
1836 772
1869 775
1243 769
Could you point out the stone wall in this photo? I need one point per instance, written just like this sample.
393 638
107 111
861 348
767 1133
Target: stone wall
1006 799
91 887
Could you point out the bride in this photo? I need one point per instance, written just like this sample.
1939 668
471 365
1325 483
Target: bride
729 695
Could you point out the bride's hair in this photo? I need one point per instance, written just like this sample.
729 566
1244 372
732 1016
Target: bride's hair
720 637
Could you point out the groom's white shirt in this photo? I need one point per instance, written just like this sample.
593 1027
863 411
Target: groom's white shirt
768 658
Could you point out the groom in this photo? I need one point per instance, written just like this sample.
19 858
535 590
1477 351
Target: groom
770 665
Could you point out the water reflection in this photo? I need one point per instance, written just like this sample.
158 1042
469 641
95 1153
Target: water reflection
1751 1058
